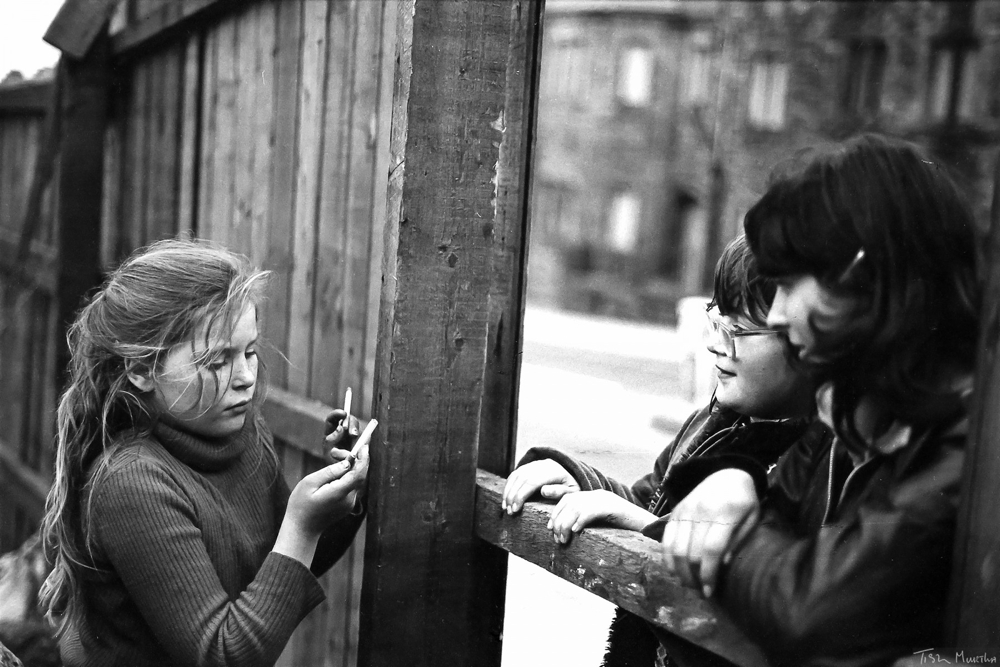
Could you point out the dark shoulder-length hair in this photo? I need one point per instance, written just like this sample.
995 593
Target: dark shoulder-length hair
878 220
740 288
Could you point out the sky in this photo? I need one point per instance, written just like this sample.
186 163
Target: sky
22 24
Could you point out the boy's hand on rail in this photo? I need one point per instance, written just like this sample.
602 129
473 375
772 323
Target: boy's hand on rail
576 511
707 524
545 476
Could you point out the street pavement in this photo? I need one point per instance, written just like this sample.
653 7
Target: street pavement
613 394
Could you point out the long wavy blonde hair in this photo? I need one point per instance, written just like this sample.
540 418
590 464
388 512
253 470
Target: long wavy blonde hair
162 296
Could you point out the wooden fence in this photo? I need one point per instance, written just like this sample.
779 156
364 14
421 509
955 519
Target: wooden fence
374 155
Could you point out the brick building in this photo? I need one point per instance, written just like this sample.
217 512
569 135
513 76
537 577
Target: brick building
659 121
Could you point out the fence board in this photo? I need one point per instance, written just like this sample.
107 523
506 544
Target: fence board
217 225
450 82
380 128
361 174
310 146
137 160
328 298
262 133
189 131
210 95
289 17
621 566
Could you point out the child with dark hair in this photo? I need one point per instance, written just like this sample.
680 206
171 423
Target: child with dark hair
761 405
873 250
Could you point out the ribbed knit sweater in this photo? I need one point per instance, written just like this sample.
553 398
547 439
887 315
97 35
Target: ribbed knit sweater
182 530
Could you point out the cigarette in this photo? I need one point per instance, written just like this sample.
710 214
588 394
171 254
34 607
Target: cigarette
363 439
347 408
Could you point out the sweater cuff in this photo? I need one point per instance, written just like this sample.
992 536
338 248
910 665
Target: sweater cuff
582 473
296 590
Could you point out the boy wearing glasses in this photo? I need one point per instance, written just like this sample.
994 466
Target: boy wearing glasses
761 406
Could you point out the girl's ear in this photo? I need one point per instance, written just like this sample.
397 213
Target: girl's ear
141 377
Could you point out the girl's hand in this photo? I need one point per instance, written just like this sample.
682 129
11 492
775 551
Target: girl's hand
709 523
327 495
578 510
545 474
340 439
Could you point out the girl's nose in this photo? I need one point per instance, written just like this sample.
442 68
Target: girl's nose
777 317
244 372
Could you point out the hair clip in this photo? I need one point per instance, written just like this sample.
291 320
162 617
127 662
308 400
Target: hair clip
846 274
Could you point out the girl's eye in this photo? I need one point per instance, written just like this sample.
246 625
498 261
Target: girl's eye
217 364
250 353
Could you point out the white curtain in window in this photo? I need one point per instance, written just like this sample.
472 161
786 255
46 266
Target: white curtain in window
624 228
635 77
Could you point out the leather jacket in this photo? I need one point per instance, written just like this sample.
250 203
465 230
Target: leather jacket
850 563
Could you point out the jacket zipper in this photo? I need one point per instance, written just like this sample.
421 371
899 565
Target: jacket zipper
843 489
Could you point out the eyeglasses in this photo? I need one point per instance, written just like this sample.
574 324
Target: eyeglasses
729 334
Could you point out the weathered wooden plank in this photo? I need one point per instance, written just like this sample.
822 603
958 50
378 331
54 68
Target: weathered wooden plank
77 24
208 123
166 22
28 98
509 228
362 145
263 133
618 565
303 276
8 192
136 161
244 123
23 483
161 204
217 225
111 202
328 298
190 130
974 603
289 16
380 126
297 420
80 184
419 582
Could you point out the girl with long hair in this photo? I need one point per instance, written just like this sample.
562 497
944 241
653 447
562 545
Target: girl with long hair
873 249
173 535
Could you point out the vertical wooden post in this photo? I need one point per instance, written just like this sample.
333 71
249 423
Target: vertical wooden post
84 111
975 584
498 425
451 210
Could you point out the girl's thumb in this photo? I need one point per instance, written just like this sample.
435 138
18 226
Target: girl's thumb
330 473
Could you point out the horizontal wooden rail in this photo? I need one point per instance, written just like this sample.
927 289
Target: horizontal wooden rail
28 486
28 98
620 566
295 420
170 19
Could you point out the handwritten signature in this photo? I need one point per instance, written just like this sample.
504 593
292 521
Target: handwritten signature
931 656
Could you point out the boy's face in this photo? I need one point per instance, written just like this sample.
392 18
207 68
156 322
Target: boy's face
210 398
759 380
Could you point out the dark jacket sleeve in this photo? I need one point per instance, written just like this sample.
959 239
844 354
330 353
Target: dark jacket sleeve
588 477
865 588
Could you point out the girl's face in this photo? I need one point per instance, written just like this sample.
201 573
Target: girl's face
210 398
759 379
802 303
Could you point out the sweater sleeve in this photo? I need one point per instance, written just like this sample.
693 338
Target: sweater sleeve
146 526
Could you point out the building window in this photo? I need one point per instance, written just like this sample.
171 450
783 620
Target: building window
623 222
768 94
865 77
697 84
951 89
635 77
